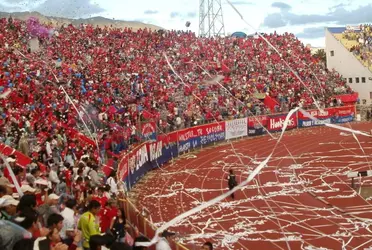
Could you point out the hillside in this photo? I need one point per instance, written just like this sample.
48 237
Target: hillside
100 21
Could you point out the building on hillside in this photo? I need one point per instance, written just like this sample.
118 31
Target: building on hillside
351 66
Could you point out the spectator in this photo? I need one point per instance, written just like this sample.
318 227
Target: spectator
111 181
95 180
49 207
8 209
69 222
31 177
107 214
52 239
55 221
140 238
5 183
163 243
3 191
118 226
26 203
207 246
88 223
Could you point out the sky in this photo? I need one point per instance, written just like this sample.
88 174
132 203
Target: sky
305 18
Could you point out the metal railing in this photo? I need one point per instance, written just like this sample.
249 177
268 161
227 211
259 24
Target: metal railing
136 218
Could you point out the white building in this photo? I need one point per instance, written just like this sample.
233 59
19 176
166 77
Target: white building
358 76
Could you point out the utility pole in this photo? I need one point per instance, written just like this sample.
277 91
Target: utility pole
211 18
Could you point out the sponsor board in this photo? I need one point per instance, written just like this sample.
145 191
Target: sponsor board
152 154
275 123
236 128
148 131
257 125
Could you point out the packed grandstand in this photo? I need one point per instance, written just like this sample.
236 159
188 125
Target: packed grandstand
359 41
73 107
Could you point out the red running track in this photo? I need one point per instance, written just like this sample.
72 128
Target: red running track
301 200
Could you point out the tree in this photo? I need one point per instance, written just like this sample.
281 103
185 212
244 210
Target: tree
321 56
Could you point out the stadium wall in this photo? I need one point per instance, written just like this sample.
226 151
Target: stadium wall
154 153
344 62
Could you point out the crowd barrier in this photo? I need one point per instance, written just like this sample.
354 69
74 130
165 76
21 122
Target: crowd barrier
163 148
144 225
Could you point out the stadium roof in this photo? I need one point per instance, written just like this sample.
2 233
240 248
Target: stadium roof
339 30
239 34
336 30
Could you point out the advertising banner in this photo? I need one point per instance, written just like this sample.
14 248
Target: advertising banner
257 125
236 128
138 163
202 135
343 114
323 117
211 133
123 168
165 147
148 131
188 139
163 150
275 122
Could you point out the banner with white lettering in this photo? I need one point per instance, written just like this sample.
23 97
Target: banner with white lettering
148 131
343 114
163 150
236 128
138 163
275 122
323 117
257 125
188 139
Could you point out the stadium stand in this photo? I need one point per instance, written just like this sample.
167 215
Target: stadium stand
359 42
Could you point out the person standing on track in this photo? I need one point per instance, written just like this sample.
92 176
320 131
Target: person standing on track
231 182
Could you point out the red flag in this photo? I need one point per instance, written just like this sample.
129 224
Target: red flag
270 103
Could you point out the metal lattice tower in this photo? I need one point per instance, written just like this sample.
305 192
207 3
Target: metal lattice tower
211 18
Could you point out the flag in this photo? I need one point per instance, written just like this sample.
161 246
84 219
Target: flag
270 103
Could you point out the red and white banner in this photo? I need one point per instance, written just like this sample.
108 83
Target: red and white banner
275 122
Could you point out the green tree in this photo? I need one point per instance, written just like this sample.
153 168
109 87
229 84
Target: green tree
321 56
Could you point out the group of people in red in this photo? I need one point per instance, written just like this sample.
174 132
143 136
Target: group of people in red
73 100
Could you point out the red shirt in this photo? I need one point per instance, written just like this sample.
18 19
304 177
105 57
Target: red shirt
102 200
106 215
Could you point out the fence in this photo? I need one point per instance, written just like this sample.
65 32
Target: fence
165 147
144 225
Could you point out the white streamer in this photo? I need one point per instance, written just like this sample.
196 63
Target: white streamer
14 179
5 94
223 196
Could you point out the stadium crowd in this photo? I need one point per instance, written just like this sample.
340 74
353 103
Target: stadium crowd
364 38
114 79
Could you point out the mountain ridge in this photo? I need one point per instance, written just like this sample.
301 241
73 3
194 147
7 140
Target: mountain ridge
97 20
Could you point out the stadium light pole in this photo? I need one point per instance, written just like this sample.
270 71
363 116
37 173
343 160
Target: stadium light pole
211 21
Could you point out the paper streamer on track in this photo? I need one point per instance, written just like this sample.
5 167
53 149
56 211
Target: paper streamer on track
207 204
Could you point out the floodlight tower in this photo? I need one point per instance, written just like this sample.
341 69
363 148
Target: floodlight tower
211 18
